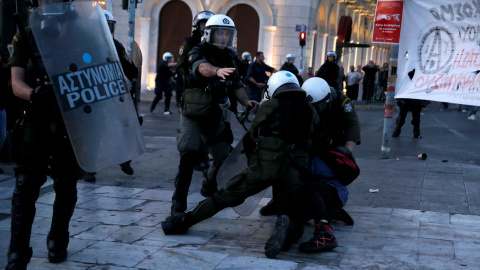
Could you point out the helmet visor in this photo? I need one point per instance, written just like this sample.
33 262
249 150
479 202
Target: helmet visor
222 36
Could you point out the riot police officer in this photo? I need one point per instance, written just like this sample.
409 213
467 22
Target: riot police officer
62 33
289 66
198 28
40 142
244 63
212 85
329 70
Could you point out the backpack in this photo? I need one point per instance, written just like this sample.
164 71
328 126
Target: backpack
345 167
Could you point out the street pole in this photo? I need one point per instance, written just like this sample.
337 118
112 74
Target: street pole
389 102
131 26
301 59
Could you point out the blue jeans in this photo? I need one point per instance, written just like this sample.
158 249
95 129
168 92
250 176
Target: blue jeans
3 127
473 109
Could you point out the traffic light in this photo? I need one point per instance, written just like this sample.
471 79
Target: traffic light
303 37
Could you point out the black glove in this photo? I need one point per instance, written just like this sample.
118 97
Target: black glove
344 150
41 94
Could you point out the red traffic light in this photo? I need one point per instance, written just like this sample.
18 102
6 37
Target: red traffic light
303 36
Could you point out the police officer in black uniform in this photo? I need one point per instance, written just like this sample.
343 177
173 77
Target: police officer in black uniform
47 151
212 85
289 66
329 70
244 63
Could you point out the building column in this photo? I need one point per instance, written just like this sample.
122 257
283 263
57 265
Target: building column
268 43
143 44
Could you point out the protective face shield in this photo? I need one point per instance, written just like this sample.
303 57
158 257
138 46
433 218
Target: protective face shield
246 56
332 53
220 31
166 56
290 58
110 20
200 20
280 82
52 14
318 93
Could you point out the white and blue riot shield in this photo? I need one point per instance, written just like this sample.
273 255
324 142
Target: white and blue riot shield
83 67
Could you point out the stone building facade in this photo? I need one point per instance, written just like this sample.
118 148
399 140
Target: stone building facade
262 25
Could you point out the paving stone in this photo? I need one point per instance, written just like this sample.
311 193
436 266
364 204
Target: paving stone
390 227
468 220
152 220
154 194
119 192
155 207
98 232
453 232
110 203
419 215
243 262
128 255
114 217
192 239
38 243
460 208
188 259
43 264
129 234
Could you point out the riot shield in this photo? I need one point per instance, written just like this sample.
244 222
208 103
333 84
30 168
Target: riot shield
137 60
236 163
83 67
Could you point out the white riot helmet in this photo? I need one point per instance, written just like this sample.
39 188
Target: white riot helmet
246 56
201 17
332 53
280 82
220 31
319 93
167 55
290 58
110 20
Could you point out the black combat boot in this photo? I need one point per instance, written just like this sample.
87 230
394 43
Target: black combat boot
416 134
57 247
179 206
18 260
63 207
276 242
126 168
269 209
295 232
177 224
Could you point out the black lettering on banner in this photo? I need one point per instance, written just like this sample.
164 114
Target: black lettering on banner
458 11
89 85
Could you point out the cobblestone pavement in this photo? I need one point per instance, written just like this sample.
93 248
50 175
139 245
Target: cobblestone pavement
424 216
